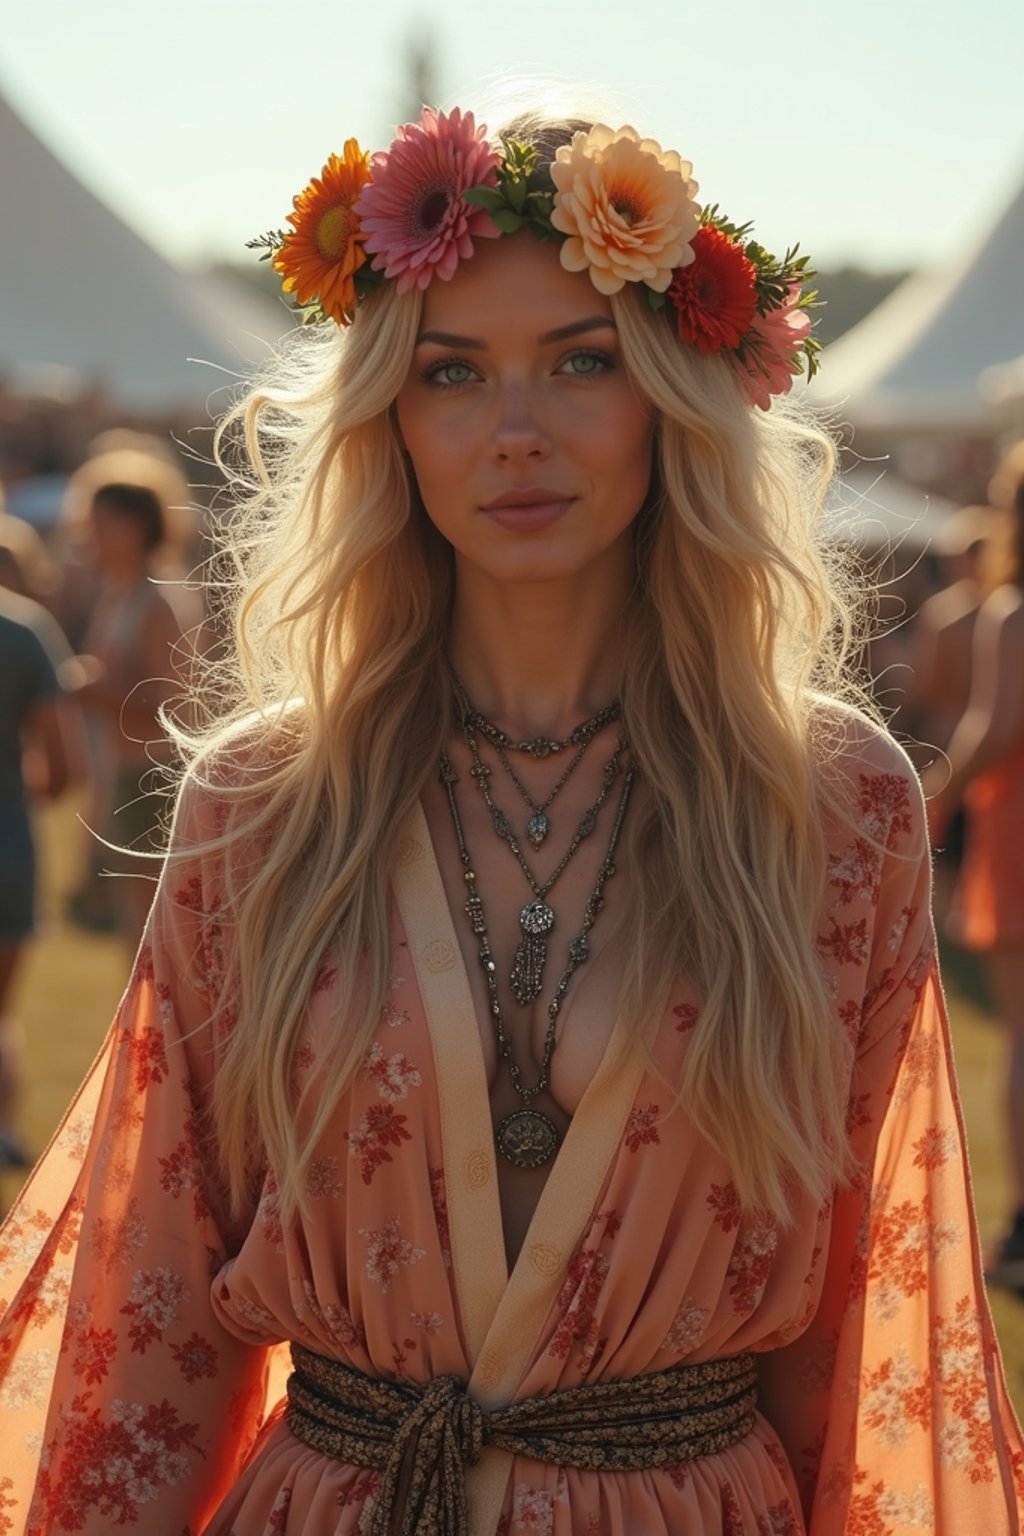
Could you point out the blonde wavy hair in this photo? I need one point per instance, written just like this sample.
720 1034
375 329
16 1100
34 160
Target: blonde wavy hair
339 701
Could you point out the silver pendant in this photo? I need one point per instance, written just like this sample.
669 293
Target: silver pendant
537 828
536 920
527 1138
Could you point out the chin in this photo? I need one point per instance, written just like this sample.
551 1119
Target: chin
521 566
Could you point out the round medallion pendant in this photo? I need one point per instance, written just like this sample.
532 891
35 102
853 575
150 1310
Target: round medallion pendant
536 918
527 1138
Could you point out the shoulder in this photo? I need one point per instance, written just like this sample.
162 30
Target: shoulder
949 607
1004 607
868 781
33 626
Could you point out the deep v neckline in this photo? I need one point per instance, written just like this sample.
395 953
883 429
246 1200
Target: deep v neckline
470 1154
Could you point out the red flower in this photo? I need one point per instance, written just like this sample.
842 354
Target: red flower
715 297
196 1358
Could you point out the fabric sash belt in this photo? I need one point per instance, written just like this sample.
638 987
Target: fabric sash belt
421 1438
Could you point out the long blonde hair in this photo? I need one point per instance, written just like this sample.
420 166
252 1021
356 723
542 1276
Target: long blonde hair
332 708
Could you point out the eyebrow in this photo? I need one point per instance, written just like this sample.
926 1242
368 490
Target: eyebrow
561 333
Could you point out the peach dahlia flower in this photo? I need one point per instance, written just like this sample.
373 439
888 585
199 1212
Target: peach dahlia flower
627 207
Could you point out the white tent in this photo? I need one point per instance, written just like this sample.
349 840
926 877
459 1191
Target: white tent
913 363
82 295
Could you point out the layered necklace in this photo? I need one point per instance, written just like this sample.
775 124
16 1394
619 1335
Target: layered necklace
537 917
527 1138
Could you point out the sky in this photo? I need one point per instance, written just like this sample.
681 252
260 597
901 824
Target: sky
885 133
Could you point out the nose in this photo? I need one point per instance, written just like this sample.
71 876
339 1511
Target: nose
519 432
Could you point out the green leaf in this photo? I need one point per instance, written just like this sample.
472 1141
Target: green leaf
520 158
543 229
485 197
367 279
517 193
270 242
655 301
507 220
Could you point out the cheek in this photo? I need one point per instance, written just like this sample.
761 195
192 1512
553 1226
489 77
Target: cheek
432 446
624 450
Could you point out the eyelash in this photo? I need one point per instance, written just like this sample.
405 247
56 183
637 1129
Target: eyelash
431 374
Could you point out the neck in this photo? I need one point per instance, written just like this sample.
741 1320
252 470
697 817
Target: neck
537 658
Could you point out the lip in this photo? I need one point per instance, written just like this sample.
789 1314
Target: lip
527 496
528 510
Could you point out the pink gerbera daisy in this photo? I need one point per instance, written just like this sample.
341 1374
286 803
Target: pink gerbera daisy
414 216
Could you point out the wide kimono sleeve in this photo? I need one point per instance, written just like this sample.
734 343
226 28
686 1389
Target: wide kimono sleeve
892 1405
125 1404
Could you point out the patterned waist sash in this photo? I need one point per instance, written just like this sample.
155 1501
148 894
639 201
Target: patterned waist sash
421 1438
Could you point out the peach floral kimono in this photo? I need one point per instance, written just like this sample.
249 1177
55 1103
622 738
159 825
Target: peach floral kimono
141 1358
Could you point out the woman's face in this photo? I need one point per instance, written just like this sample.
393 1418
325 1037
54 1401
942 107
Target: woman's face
531 448
118 538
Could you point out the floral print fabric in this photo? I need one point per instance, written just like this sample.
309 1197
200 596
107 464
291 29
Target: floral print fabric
140 1328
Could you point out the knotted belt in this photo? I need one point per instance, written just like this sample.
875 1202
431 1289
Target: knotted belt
421 1439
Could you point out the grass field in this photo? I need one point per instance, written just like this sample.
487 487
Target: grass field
70 984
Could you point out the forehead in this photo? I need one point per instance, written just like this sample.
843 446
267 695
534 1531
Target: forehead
513 275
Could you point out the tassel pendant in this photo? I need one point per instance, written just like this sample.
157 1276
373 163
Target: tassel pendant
536 920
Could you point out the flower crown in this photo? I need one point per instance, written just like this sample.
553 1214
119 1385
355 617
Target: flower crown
623 209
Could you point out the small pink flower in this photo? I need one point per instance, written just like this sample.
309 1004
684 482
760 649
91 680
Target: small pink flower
771 357
413 213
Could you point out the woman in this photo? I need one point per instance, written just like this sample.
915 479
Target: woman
539 1008
985 771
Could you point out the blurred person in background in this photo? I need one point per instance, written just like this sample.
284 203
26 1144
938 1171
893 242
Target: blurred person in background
939 680
985 771
127 606
26 565
41 753
1006 478
130 645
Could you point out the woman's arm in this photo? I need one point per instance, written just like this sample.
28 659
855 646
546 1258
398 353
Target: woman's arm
892 1405
128 1405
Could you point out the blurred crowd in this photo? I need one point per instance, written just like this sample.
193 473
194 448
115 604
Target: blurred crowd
99 626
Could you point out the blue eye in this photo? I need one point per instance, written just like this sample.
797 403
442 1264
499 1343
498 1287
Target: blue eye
448 373
587 363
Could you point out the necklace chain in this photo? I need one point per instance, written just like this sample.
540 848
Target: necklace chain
536 918
535 746
538 826
528 1138
587 822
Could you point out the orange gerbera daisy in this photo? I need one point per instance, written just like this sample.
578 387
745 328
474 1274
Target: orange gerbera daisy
321 256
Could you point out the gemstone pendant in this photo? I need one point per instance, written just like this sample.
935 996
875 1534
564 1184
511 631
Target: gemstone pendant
537 828
526 1138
